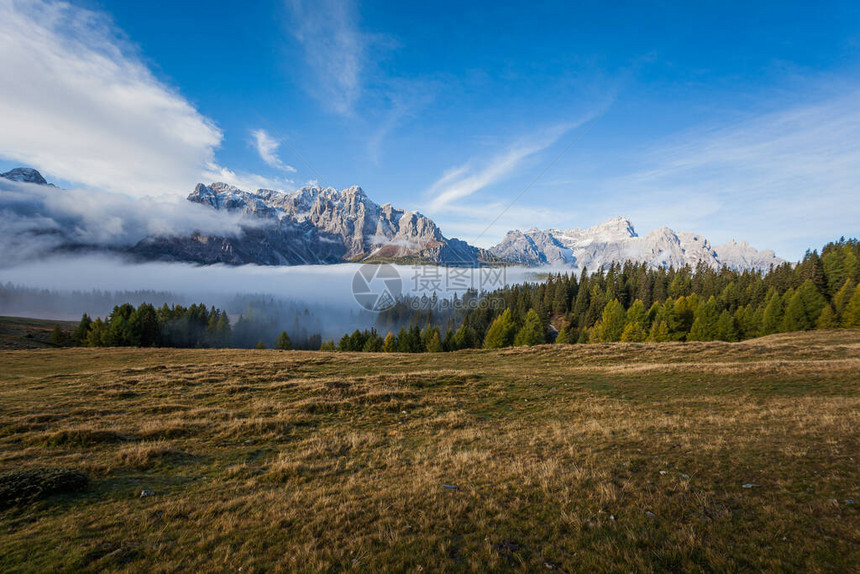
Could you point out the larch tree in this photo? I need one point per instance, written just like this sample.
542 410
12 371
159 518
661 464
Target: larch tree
704 326
501 332
612 322
851 315
532 332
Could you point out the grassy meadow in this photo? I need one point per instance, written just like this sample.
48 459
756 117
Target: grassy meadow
567 458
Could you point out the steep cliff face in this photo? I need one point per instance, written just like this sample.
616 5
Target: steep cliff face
309 226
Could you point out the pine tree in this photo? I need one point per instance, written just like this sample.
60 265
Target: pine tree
448 343
851 315
532 332
803 309
143 325
726 327
390 344
659 332
79 335
260 345
704 326
633 333
685 313
284 343
561 298
434 342
852 264
773 314
372 343
843 296
827 319
501 332
222 331
637 314
566 335
612 322
57 338
745 321
97 335
465 337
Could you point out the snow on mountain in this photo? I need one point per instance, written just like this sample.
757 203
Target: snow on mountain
315 225
616 241
25 175
311 225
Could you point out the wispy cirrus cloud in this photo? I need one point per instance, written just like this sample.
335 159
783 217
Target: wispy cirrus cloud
785 179
461 181
334 48
267 146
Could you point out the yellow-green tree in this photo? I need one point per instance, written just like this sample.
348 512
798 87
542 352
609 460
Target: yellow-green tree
532 332
851 315
633 333
501 332
612 321
390 344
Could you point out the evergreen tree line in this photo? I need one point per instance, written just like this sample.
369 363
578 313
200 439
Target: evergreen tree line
193 326
633 302
148 326
262 321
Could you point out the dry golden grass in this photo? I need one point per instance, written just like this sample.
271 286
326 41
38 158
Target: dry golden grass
623 457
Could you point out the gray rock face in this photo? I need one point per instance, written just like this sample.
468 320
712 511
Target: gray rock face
311 225
616 241
317 225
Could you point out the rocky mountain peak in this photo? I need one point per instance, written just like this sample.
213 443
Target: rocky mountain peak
615 228
25 175
345 224
616 241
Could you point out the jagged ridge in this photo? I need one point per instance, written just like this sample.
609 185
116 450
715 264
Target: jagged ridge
616 241
312 225
317 225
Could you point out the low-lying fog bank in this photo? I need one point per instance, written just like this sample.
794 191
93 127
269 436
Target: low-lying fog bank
66 287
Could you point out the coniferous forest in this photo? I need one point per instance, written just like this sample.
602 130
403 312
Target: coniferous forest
635 303
628 303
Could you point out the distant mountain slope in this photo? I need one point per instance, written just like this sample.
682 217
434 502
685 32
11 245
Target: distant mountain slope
616 241
309 226
25 175
317 225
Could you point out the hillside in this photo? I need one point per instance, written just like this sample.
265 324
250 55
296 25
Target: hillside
671 456
25 333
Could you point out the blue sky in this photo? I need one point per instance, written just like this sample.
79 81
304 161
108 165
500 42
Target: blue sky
735 120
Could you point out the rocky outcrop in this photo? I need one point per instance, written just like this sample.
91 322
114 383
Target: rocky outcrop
310 226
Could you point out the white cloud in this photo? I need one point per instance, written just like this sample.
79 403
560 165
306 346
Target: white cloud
471 222
464 180
39 218
246 181
267 147
334 50
79 105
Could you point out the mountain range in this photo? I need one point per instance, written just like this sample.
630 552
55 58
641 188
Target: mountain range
616 240
317 225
